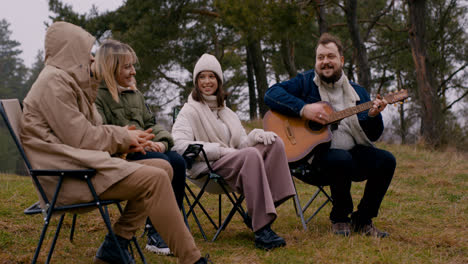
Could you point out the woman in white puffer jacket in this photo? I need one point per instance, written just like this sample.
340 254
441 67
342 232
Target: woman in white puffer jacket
254 165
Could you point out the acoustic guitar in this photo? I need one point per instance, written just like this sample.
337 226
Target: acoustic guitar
302 136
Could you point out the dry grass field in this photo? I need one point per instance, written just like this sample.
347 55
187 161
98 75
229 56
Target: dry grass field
425 212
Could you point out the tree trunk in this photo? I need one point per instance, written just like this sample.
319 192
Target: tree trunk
364 75
319 8
260 73
251 82
403 126
287 54
431 117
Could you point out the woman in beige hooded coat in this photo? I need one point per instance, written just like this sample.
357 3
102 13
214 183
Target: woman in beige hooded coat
61 128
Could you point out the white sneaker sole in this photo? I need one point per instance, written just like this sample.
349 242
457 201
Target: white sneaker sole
159 251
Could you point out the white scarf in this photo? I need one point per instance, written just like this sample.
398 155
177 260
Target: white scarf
207 127
341 95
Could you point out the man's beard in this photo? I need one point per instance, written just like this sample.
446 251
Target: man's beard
333 78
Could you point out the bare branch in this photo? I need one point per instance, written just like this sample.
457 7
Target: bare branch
171 80
376 18
339 5
454 102
452 75
204 12
377 23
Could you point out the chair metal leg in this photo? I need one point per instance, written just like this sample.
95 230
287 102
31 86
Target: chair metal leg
311 200
298 207
299 212
227 220
54 241
72 231
194 214
140 252
185 217
316 211
41 239
105 217
197 202
220 208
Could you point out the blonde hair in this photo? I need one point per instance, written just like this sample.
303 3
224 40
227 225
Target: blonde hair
110 56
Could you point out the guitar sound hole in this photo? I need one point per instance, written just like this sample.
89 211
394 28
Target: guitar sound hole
314 126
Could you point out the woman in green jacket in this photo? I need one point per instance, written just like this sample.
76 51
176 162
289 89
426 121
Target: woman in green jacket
120 103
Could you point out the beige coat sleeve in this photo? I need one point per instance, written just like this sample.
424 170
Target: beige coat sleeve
70 117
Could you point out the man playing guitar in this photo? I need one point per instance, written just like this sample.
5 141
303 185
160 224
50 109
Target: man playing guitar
350 154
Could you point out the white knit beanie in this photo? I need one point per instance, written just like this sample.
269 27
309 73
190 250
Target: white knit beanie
207 62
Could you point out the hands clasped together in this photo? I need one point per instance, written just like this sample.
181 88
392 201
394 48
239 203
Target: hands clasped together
141 141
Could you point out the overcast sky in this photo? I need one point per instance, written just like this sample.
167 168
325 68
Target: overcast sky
27 17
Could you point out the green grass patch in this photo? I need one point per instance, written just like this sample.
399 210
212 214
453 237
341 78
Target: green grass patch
425 212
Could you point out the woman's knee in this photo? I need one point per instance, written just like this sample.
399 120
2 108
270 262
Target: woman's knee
251 153
176 160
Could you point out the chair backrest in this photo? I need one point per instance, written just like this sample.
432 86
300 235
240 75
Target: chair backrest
11 112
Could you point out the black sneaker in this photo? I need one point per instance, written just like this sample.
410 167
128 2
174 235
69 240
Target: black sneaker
267 239
109 252
155 242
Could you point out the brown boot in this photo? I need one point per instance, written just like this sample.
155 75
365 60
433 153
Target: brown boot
341 228
371 230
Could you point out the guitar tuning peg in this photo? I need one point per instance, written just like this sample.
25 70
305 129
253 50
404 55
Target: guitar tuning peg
395 104
401 102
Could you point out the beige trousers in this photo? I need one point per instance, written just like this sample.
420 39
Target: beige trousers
148 192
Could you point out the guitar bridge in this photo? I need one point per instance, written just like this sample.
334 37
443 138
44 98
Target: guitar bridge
289 133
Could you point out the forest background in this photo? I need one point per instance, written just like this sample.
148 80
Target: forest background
417 45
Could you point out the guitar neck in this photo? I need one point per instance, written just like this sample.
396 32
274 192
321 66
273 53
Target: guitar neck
337 116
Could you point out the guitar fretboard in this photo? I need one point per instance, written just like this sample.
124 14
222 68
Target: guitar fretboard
337 116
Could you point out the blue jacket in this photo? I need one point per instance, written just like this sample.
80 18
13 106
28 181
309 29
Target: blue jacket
289 98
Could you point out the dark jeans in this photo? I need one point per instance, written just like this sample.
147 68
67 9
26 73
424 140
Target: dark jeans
178 165
338 168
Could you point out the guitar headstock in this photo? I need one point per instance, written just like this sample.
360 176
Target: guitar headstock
397 96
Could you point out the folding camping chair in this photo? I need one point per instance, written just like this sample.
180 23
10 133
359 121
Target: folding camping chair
11 111
214 184
303 173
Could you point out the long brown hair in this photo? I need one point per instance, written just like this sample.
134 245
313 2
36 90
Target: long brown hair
197 95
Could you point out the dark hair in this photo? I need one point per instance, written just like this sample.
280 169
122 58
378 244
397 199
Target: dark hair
326 38
197 94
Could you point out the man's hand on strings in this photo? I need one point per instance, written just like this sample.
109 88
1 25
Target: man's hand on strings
316 112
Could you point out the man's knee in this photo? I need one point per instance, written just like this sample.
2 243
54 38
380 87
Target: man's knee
161 164
338 158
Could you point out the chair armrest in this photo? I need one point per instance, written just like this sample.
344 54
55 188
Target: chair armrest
67 173
191 153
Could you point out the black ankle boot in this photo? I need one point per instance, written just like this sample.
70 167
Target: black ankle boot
267 239
205 260
109 252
